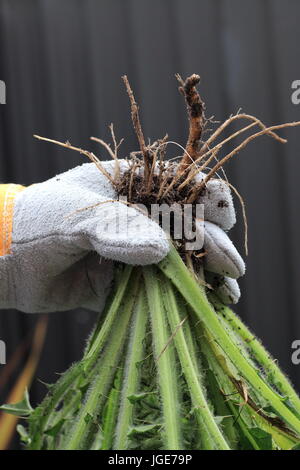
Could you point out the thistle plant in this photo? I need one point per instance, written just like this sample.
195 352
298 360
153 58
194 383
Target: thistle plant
168 366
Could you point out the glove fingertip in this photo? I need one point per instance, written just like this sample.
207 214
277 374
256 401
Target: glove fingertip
222 257
218 203
229 292
127 235
225 288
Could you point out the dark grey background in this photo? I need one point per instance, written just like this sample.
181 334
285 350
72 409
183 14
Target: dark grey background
62 62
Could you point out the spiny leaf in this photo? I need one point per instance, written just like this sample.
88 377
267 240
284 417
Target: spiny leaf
23 433
54 431
140 431
262 438
22 409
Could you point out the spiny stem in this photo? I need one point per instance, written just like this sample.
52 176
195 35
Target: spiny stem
50 403
99 337
111 412
80 433
225 385
275 375
168 380
206 439
131 371
188 367
174 268
246 415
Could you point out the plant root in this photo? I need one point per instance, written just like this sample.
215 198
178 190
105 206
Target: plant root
151 179
138 128
195 107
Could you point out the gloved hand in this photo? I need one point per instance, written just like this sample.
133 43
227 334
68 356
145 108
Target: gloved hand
62 246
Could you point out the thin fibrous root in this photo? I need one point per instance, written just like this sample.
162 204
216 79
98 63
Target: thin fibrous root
158 147
88 154
131 180
207 151
231 119
138 129
199 187
214 151
164 181
108 201
195 107
113 136
112 153
243 206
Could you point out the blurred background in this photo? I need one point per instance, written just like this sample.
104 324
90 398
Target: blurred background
62 63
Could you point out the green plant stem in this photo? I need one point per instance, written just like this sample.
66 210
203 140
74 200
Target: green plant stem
205 436
37 427
99 337
191 374
111 412
221 408
176 271
275 375
79 434
210 351
131 371
165 361
72 376
213 356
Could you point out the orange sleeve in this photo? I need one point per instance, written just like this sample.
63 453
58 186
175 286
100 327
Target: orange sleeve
8 193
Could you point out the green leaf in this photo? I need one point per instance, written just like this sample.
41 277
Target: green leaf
24 436
146 429
23 408
263 438
54 431
88 418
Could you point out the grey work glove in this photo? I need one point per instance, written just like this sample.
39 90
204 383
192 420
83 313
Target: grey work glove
63 248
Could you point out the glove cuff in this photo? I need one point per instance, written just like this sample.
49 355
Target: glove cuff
8 193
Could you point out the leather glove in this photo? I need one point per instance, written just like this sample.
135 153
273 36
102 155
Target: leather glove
61 250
